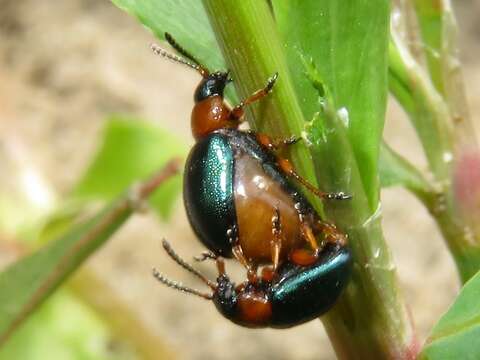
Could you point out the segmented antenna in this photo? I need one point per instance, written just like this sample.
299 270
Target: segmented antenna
187 266
193 63
173 43
178 286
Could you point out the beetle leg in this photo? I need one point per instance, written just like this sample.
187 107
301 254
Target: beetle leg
220 266
272 145
307 231
331 233
237 252
310 237
205 255
302 256
287 168
238 111
251 273
276 242
251 268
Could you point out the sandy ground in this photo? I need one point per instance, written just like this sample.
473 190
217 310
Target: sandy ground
64 66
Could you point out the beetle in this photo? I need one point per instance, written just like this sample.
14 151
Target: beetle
238 192
290 296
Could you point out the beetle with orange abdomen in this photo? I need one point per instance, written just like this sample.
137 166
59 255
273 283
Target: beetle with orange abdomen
243 201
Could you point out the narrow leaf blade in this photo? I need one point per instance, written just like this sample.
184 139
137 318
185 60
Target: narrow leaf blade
457 334
131 150
347 42
184 19
25 284
63 328
29 281
397 171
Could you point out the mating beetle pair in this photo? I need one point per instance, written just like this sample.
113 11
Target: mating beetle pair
242 203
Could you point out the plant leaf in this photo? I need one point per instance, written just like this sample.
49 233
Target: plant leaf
131 150
347 41
64 328
457 334
437 30
396 170
29 281
187 21
373 287
184 19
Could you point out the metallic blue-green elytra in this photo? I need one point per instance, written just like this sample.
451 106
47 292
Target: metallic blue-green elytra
296 294
208 192
304 293
208 185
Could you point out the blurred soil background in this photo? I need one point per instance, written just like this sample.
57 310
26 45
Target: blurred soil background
66 65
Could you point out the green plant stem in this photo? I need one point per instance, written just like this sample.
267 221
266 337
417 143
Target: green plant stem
430 19
462 239
425 107
438 32
432 118
371 320
245 30
459 219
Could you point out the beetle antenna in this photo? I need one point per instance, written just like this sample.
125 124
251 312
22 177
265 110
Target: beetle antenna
178 286
168 248
173 43
157 50
193 63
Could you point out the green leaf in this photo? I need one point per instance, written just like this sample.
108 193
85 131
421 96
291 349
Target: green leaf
437 23
29 281
249 41
64 328
371 302
131 150
338 54
184 19
347 41
426 108
187 22
26 283
396 170
59 221
457 334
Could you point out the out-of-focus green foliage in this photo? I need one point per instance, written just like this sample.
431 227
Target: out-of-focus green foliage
29 281
396 171
457 334
184 19
64 328
131 150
